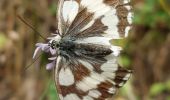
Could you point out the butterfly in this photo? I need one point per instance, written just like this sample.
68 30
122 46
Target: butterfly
85 62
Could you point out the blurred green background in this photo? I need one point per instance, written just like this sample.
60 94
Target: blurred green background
146 51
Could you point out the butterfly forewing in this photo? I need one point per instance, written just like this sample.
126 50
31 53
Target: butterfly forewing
114 16
92 75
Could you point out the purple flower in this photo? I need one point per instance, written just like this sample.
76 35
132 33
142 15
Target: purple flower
52 51
51 65
41 47
46 48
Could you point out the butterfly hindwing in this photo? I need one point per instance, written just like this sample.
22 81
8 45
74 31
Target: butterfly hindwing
81 80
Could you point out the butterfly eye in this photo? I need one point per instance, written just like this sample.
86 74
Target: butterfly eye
54 44
57 45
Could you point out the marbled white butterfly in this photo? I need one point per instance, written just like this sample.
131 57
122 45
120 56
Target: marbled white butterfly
85 63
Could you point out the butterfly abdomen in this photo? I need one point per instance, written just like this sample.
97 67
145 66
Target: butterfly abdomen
67 48
93 49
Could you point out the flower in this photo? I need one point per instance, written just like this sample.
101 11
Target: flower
51 65
41 47
46 48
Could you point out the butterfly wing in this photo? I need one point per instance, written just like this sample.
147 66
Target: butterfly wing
88 81
84 18
67 11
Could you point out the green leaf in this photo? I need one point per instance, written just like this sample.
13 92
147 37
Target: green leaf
168 98
3 40
157 89
50 92
124 60
168 85
118 42
52 95
53 8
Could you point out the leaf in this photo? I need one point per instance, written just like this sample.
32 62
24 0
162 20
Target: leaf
166 5
124 61
50 92
52 95
157 89
3 40
168 85
118 42
53 8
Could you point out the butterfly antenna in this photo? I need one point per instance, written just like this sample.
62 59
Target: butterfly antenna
23 20
31 63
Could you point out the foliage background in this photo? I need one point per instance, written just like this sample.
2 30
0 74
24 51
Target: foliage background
146 51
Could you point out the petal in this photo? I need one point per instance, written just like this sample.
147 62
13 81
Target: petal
44 47
39 44
52 58
52 51
36 51
50 66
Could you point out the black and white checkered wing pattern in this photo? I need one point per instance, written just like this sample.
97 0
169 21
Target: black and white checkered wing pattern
85 80
92 22
109 18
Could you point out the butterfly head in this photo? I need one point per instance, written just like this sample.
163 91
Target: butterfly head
54 42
